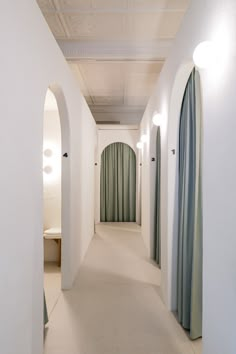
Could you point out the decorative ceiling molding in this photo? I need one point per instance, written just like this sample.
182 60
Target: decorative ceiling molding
112 10
116 49
121 127
109 6
123 50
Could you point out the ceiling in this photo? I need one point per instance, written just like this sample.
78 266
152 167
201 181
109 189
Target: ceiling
116 49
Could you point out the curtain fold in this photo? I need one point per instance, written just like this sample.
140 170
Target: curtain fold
118 184
189 281
157 219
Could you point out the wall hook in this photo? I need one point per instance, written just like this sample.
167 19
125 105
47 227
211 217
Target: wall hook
153 159
65 154
173 151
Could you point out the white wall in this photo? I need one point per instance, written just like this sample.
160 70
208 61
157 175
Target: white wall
52 181
30 62
206 20
108 134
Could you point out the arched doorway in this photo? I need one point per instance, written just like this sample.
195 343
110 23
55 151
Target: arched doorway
184 160
157 201
56 196
189 256
118 184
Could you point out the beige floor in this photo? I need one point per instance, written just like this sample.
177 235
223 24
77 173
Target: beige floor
115 305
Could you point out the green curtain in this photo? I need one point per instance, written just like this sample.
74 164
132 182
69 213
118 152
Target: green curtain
157 219
118 184
189 281
45 314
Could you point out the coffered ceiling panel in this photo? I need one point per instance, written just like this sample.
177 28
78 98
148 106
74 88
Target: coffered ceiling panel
144 67
169 24
70 5
95 26
139 86
103 78
83 86
110 4
46 5
108 100
55 25
177 4
115 48
153 26
79 26
158 4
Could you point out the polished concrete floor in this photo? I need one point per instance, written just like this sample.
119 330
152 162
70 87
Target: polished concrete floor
115 305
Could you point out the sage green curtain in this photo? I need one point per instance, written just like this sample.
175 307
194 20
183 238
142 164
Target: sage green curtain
118 184
189 282
157 211
45 314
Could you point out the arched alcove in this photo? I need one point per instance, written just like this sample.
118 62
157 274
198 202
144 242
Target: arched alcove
155 199
118 183
65 185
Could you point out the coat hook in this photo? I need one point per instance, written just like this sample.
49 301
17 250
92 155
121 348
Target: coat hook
173 151
65 154
153 159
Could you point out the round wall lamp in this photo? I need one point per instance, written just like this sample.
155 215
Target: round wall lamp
204 55
144 138
139 145
48 152
48 169
156 119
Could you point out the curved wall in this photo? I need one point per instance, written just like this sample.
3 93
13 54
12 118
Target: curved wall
40 64
212 20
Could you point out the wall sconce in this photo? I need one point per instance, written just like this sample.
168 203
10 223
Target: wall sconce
156 119
48 152
144 138
48 169
51 162
204 55
139 145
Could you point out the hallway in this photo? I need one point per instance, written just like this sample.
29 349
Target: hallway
115 305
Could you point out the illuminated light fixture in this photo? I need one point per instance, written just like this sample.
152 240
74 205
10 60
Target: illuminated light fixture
48 152
156 119
205 55
139 145
144 138
47 169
